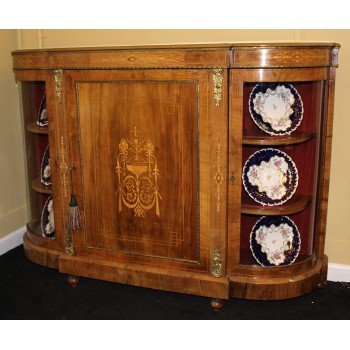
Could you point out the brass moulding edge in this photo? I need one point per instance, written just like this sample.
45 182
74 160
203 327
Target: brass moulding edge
194 82
278 67
146 67
73 50
301 47
124 68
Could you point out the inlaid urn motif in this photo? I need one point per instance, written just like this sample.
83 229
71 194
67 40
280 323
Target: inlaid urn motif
137 172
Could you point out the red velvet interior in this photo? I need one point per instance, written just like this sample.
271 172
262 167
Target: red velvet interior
305 157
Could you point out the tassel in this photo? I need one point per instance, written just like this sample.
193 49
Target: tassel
73 214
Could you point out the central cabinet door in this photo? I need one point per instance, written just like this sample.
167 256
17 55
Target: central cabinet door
142 150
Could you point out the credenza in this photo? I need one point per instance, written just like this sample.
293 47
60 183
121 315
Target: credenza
200 169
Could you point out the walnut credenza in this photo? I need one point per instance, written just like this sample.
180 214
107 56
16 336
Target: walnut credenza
184 161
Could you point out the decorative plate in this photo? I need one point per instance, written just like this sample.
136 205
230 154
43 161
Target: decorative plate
276 108
270 177
45 172
42 115
47 220
275 241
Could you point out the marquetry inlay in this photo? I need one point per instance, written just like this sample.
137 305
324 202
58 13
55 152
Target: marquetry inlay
137 172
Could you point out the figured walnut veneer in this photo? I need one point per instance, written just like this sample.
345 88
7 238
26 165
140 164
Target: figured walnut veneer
152 141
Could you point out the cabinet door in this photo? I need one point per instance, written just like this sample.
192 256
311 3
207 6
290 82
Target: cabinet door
149 150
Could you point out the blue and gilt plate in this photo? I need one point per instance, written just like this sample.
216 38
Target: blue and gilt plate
45 172
270 177
42 114
276 108
275 241
47 220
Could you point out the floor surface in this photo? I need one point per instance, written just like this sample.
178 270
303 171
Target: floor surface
29 291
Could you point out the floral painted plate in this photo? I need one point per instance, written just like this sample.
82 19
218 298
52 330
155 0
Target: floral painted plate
47 220
45 173
276 108
275 241
270 177
42 115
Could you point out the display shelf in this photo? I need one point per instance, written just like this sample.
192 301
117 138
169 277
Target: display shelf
261 140
33 227
304 157
247 260
302 220
295 205
38 186
34 232
310 93
36 129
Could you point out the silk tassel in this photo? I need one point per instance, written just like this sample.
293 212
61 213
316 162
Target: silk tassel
73 214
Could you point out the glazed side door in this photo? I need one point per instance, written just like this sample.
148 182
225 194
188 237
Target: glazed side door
149 153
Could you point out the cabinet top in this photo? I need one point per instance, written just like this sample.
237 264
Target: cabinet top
257 44
204 55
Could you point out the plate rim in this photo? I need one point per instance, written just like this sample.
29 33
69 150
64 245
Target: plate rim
296 180
253 231
272 132
41 220
41 167
39 112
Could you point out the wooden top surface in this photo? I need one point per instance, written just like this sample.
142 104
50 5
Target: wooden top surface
201 56
192 46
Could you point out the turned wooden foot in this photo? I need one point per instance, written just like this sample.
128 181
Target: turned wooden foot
73 280
216 304
322 284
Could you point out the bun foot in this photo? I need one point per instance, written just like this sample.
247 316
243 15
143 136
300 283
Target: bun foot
322 284
216 304
73 280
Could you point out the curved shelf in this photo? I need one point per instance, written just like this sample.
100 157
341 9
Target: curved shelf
38 186
247 262
40 255
278 287
33 228
35 235
34 232
268 140
36 129
298 204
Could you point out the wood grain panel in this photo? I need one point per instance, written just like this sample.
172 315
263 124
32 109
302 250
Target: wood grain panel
279 288
172 108
325 164
147 276
269 57
122 59
40 255
132 114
